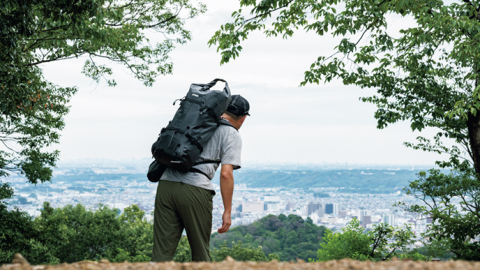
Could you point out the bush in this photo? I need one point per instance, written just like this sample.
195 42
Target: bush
240 252
454 224
183 252
382 243
351 243
73 233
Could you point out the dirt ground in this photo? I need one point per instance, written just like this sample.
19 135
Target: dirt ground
230 264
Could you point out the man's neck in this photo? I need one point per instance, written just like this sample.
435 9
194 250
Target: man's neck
234 123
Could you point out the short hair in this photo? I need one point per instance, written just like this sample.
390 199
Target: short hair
233 116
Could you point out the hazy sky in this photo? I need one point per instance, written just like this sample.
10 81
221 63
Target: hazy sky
314 124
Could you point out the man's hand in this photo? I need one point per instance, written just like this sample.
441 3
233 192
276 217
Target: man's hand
227 221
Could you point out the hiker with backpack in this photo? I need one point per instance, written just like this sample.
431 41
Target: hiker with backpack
202 136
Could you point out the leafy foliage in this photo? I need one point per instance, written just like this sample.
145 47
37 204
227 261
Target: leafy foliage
454 223
353 242
36 32
240 252
73 233
289 237
428 73
183 252
17 231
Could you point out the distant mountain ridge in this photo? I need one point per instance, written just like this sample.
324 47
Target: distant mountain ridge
381 181
351 180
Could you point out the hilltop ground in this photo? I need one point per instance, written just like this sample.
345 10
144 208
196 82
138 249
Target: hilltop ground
230 264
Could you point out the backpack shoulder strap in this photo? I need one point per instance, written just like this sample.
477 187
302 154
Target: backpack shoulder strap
226 123
221 122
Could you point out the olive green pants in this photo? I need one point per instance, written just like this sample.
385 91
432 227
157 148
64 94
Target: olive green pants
180 206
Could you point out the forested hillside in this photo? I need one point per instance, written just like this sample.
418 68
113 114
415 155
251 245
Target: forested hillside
290 237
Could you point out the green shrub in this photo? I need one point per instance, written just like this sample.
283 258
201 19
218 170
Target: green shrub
241 252
353 242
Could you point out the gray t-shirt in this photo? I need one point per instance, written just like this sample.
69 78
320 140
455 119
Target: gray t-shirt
225 146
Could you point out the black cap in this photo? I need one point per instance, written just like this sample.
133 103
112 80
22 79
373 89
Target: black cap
238 106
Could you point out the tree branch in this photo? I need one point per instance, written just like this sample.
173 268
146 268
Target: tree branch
263 14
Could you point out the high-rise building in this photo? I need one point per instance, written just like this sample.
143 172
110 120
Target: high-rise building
389 219
329 208
336 208
366 220
320 212
342 213
363 214
312 207
290 206
332 208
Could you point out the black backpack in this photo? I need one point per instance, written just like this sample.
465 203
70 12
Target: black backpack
181 142
155 170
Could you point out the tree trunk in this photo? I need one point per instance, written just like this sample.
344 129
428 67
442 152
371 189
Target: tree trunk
473 124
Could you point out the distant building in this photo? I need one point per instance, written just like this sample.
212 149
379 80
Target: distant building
270 198
342 214
270 207
312 207
332 208
320 212
414 222
329 208
389 219
252 207
332 220
363 214
290 206
429 220
336 208
366 220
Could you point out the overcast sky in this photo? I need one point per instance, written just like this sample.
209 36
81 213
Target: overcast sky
288 123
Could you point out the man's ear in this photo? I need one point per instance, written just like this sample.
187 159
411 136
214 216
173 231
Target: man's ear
241 120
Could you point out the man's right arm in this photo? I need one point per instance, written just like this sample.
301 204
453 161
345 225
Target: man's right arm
226 188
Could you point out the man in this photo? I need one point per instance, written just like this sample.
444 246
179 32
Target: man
185 200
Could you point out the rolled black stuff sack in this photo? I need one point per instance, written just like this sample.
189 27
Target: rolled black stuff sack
155 171
182 140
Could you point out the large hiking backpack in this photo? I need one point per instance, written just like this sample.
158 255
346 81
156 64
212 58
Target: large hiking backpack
182 140
156 170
